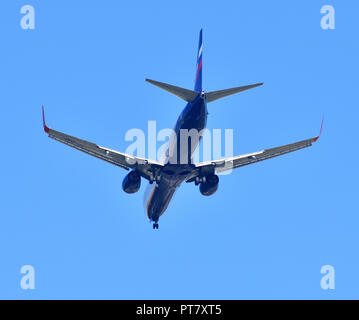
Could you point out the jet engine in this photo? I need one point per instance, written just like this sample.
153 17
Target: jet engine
132 182
210 185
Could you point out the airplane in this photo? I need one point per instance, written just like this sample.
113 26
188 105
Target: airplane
166 176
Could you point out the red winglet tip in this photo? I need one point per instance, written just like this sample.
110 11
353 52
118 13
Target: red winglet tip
320 132
46 129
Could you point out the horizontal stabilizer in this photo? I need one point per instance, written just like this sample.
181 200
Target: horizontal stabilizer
215 95
185 94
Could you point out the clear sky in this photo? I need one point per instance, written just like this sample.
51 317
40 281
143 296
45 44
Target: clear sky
270 227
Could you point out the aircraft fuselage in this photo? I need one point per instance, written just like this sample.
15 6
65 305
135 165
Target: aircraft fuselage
159 195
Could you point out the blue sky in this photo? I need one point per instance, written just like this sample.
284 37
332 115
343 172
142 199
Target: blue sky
269 228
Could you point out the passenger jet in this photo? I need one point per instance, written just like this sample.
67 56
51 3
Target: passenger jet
166 176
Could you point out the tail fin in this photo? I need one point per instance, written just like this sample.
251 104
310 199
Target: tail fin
198 81
191 95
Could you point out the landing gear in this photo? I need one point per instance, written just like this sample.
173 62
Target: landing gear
154 179
199 180
155 225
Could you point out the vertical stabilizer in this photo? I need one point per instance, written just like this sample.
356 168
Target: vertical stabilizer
198 81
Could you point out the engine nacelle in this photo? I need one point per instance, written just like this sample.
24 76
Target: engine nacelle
132 182
210 186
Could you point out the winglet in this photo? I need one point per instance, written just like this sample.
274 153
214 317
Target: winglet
46 129
320 132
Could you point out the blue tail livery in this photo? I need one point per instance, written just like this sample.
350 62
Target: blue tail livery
198 80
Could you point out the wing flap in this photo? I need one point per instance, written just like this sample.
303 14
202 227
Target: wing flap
90 148
250 158
145 167
224 164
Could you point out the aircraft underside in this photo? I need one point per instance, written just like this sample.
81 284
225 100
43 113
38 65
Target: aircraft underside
166 176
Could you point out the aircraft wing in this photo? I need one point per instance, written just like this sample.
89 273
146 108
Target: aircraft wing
224 164
145 167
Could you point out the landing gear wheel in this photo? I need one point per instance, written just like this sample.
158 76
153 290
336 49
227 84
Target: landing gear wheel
155 225
154 178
